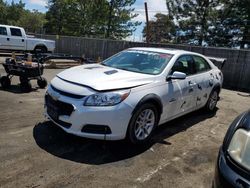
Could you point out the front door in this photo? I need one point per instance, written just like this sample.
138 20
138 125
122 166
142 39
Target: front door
4 39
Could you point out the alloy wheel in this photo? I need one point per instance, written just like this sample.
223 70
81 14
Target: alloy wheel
144 124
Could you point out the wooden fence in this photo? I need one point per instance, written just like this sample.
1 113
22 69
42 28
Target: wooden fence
236 71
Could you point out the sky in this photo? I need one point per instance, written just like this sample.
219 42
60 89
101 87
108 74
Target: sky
154 6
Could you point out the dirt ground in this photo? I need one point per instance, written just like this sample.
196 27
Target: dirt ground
35 153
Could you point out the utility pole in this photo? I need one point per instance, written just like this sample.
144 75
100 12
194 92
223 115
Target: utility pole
147 25
111 4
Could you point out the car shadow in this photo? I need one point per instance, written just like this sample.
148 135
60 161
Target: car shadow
55 141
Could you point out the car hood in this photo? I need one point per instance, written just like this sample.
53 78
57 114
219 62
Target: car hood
99 77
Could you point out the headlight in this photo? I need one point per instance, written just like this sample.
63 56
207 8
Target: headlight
239 148
106 99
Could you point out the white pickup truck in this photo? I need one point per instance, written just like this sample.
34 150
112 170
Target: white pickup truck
14 38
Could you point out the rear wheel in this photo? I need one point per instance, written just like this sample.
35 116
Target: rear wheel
42 83
212 101
142 124
5 82
40 49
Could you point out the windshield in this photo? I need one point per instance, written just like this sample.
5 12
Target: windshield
139 61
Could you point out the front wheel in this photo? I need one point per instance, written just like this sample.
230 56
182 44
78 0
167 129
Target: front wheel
212 101
142 124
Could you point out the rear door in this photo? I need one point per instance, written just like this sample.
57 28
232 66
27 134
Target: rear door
17 39
4 39
204 80
181 93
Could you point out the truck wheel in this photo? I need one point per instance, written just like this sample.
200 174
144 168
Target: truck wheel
40 49
5 82
42 83
142 124
26 87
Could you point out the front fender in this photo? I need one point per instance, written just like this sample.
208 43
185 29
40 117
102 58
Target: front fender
150 98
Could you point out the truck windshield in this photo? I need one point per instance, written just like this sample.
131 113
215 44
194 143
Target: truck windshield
145 62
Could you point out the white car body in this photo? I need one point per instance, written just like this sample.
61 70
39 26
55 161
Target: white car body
176 97
14 38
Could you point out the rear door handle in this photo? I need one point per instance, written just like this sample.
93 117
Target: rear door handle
191 83
199 87
22 40
8 39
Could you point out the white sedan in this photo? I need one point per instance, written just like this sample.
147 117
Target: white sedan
132 92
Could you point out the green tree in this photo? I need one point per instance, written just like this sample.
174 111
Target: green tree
92 14
14 12
162 29
32 21
3 12
233 25
99 18
216 22
193 17
119 24
55 16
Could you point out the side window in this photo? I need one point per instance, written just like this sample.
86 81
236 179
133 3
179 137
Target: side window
3 31
183 64
15 32
201 65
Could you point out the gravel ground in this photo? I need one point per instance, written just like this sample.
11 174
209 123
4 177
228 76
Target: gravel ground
36 153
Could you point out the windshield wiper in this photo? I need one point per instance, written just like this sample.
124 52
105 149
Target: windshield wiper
121 68
104 64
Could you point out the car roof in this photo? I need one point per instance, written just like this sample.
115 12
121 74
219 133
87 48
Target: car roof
2 25
165 50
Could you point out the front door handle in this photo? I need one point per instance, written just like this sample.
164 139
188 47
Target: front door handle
172 100
8 39
22 40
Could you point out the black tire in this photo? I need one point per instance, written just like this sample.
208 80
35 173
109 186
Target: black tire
42 83
5 82
25 87
40 49
212 101
133 125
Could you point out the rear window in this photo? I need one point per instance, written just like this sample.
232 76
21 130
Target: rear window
15 32
201 65
183 64
3 31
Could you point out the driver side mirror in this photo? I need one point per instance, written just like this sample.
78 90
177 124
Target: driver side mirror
177 76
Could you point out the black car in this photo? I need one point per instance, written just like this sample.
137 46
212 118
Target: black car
233 164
